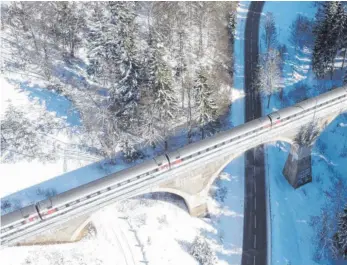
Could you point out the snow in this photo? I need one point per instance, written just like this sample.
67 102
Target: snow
160 230
122 228
153 230
294 232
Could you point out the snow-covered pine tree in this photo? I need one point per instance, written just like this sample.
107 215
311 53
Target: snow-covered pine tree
149 113
69 22
202 251
204 101
165 102
114 65
340 238
327 31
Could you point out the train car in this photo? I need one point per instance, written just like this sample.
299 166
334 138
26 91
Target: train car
102 187
81 195
19 219
206 146
323 99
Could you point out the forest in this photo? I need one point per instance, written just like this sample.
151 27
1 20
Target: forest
136 72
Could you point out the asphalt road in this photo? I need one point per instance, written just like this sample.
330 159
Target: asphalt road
254 229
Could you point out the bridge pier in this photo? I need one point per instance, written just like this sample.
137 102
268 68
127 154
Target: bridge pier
199 210
298 167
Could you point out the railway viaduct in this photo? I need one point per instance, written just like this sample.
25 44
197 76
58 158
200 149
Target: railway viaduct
193 181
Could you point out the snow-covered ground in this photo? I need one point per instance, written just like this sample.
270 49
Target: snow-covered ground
137 230
33 100
151 231
296 215
147 230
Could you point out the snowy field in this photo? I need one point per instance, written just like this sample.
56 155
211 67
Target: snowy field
296 215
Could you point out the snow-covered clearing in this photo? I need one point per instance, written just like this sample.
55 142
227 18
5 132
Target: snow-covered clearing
33 100
296 215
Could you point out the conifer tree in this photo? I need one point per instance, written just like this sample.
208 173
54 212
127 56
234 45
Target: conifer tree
204 99
328 31
165 102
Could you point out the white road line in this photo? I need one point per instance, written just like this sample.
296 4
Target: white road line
255 203
255 188
253 260
255 221
255 242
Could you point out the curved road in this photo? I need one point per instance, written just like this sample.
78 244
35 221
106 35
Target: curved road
254 228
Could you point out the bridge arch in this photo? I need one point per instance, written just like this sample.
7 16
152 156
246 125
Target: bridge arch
216 174
181 194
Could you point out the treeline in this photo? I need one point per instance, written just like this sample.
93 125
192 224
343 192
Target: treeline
134 70
330 31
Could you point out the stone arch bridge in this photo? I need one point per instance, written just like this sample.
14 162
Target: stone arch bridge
193 181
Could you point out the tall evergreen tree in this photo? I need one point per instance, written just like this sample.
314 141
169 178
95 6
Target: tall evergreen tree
328 31
114 65
159 103
205 101
165 101
270 31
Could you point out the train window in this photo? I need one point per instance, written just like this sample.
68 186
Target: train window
109 188
67 205
156 170
216 146
177 157
129 180
99 192
119 184
88 197
207 149
138 177
147 174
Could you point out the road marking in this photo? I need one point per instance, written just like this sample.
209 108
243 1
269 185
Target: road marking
255 242
255 221
255 203
255 188
253 260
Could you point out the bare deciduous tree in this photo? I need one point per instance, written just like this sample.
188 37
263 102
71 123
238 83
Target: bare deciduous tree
269 74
